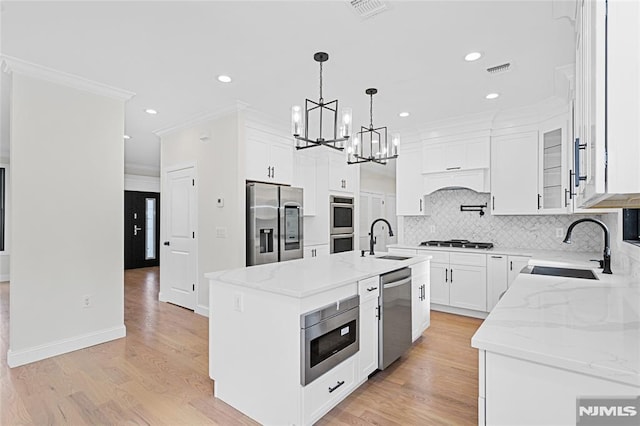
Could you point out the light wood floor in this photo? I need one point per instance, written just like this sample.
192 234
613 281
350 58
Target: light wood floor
158 374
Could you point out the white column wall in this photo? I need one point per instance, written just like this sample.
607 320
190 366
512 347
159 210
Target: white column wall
67 177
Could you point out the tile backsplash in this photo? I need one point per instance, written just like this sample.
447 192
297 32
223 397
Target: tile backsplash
443 216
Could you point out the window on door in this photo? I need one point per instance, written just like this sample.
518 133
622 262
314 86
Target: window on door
150 224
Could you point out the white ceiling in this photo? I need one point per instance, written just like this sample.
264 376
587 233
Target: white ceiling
169 54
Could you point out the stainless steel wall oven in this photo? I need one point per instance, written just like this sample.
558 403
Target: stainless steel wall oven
328 336
341 215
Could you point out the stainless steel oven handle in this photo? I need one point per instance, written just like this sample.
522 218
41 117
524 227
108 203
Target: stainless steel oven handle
398 283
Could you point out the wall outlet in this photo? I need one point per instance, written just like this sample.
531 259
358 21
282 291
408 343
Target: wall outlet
220 202
238 302
432 229
221 232
559 232
86 301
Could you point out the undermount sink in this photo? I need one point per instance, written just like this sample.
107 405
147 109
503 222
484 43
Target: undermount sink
586 274
392 257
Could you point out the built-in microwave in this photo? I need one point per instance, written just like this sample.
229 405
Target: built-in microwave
328 336
341 213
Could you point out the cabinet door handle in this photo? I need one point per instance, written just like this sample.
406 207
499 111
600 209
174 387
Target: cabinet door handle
451 280
493 203
340 383
372 288
577 147
511 266
273 171
446 275
269 171
378 312
420 204
539 201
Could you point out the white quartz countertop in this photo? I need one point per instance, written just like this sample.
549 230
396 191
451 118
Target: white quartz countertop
587 326
305 277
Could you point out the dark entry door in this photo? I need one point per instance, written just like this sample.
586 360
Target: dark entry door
141 229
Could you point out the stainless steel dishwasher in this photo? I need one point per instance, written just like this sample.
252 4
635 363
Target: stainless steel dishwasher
395 316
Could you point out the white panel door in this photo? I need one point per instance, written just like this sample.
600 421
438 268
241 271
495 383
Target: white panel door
258 166
281 163
180 267
516 263
496 279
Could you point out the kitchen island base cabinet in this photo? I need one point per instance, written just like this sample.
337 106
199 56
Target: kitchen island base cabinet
369 291
420 294
518 392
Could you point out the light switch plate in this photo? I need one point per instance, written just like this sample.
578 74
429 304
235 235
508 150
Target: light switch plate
221 232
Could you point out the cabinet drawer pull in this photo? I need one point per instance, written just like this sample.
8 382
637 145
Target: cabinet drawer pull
372 288
453 168
446 275
340 383
496 257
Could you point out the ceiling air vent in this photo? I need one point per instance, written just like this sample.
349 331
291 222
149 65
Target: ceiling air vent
499 69
368 8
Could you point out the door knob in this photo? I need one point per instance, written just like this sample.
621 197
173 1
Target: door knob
166 243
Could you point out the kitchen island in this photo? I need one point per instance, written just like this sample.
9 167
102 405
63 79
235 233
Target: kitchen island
256 340
552 339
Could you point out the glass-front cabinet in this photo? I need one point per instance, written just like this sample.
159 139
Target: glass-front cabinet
554 194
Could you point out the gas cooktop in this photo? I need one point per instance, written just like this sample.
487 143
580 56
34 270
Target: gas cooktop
457 243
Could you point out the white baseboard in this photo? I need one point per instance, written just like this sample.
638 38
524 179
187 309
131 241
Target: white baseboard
37 353
202 310
459 311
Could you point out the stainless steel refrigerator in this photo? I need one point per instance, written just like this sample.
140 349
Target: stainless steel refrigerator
274 223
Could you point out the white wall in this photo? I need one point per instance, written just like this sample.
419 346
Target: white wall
141 183
220 171
67 173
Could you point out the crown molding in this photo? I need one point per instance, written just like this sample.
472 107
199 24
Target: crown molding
14 65
456 125
201 118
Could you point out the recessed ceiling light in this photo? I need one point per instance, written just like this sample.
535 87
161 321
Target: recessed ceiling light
473 56
224 79
492 95
127 137
150 111
404 114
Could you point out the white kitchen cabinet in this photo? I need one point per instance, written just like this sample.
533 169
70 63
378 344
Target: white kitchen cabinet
607 105
409 181
456 154
369 290
516 263
269 158
343 177
325 392
497 278
502 270
514 174
305 177
421 305
315 250
459 280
